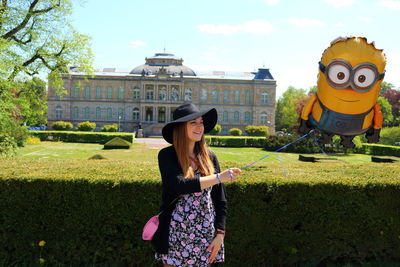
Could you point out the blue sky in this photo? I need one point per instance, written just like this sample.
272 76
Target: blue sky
288 37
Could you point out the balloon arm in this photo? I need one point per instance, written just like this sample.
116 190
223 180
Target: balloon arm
308 107
378 118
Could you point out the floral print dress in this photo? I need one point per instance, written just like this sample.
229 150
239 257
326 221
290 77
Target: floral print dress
191 231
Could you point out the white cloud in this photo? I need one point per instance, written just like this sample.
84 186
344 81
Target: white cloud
306 23
392 4
340 3
259 26
365 19
136 43
272 2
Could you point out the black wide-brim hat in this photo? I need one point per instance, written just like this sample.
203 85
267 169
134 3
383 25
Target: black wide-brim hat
188 112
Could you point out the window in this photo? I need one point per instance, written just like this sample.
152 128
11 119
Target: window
109 113
161 114
188 94
248 97
175 94
75 113
109 92
236 117
237 97
98 113
172 113
226 96
121 114
87 113
75 92
247 117
203 95
264 118
136 93
225 116
135 114
162 93
150 93
98 92
59 112
264 97
120 93
149 113
87 92
214 96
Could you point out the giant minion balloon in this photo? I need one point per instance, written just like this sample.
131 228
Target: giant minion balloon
350 76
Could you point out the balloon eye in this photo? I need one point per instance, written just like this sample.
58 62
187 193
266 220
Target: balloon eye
364 77
338 74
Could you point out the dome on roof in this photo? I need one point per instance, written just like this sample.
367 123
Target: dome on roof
169 63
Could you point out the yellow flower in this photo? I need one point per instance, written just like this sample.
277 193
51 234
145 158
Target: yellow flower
41 260
42 243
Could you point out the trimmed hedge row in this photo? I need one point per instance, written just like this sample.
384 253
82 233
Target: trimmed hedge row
93 212
235 141
383 150
81 137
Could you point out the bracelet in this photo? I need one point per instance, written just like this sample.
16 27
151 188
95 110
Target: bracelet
219 180
230 174
219 232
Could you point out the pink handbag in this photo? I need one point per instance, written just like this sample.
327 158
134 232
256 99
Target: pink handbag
150 228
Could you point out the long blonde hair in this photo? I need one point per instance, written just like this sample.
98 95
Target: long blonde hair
181 144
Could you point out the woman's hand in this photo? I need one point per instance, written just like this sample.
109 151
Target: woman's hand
215 246
230 174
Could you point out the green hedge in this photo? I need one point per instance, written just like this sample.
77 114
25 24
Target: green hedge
382 150
93 212
81 137
235 141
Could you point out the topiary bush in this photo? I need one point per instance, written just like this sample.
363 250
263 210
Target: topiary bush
62 126
253 130
235 132
216 131
110 128
86 126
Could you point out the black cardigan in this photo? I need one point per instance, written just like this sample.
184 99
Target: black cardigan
173 185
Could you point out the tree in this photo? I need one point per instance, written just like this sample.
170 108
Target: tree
386 109
35 37
393 96
385 86
286 114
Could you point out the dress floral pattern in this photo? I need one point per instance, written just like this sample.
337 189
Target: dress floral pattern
191 231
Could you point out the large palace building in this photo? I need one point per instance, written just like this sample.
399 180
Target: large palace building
147 96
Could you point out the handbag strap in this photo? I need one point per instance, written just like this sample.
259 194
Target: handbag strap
169 204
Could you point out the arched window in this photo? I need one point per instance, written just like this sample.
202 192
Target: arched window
121 114
87 92
236 117
75 112
120 93
87 113
162 93
248 97
161 114
135 114
136 93
264 97
214 96
98 113
75 92
188 94
98 92
226 96
109 113
150 92
264 118
109 92
225 116
174 94
59 111
247 117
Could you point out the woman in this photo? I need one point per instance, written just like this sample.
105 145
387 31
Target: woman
192 223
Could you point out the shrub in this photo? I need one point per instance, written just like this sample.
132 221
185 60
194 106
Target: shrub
81 137
390 136
86 126
33 140
216 131
117 143
62 125
110 128
253 130
235 132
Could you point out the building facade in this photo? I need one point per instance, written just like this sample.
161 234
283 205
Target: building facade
147 96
